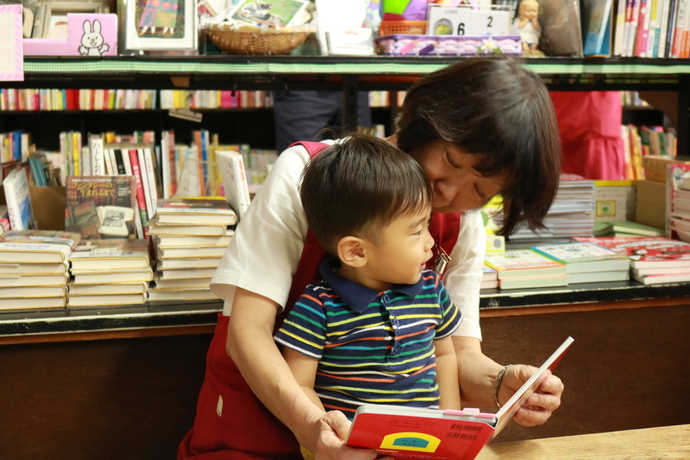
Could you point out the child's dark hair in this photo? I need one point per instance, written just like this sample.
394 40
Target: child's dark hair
493 107
357 187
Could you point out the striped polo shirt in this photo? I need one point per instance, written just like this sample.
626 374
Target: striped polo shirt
373 347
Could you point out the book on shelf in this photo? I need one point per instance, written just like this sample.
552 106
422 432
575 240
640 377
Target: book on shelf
32 303
489 284
663 279
180 283
107 289
111 276
234 176
195 211
534 282
185 229
190 253
647 251
18 292
110 254
57 279
585 257
187 263
38 246
18 200
16 268
522 263
101 206
165 241
418 433
187 273
622 229
597 27
181 295
678 199
489 274
599 277
97 301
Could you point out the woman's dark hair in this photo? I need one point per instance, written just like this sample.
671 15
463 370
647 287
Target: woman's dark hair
357 187
493 107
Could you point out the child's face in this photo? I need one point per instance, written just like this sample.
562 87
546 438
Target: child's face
403 250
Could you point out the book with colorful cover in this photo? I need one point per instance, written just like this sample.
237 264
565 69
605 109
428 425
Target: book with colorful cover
418 433
677 199
585 257
37 246
100 207
647 251
110 254
18 200
522 263
195 210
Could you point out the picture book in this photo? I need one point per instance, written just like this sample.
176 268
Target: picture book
521 263
110 254
232 171
647 252
585 257
534 282
195 211
38 246
271 13
100 207
597 27
417 433
18 200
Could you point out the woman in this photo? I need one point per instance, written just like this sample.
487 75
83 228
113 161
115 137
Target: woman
480 127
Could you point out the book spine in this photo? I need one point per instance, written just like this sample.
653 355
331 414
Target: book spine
145 182
654 24
663 28
151 177
241 184
97 155
124 153
141 198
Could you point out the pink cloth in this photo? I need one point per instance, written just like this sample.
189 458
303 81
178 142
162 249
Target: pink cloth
590 126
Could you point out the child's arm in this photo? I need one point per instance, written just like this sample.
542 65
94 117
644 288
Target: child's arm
447 374
304 369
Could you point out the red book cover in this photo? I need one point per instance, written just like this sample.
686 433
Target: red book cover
141 200
417 433
647 251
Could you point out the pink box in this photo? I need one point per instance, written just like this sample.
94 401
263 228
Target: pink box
89 34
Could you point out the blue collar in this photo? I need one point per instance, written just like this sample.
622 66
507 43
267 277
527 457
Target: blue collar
356 296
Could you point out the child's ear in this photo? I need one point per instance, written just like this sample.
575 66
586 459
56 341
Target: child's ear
351 251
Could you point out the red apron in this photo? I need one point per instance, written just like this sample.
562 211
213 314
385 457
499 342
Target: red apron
245 429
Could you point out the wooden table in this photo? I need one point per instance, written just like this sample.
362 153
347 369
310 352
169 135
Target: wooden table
672 442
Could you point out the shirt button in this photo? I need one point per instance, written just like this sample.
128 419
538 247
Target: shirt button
386 298
394 321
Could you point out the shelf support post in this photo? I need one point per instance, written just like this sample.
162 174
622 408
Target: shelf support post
683 128
349 103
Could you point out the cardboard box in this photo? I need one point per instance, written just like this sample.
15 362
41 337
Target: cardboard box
651 203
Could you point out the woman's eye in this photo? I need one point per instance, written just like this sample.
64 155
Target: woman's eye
449 159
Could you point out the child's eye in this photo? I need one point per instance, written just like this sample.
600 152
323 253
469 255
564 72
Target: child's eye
418 233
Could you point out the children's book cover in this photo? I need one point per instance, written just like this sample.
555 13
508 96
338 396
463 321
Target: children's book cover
520 263
585 257
101 207
647 251
417 433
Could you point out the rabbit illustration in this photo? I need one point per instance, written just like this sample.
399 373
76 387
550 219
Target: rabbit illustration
92 43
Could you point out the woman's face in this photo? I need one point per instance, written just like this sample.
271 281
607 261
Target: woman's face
457 186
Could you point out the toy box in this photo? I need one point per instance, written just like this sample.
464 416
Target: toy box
448 45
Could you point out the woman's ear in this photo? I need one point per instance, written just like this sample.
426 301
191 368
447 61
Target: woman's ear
352 251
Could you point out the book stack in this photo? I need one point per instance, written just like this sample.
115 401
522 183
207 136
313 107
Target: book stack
653 260
109 272
190 237
489 278
678 201
34 268
571 214
625 229
587 262
524 268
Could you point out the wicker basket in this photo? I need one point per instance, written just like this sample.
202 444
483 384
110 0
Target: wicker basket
256 40
402 27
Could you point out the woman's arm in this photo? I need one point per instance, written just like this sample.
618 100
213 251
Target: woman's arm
250 344
447 374
303 368
478 372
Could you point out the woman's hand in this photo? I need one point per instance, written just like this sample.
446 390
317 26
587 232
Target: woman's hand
538 407
334 427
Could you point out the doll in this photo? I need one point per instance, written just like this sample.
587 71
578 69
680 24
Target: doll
526 25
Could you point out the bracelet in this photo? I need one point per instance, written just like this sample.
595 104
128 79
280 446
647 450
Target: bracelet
498 381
